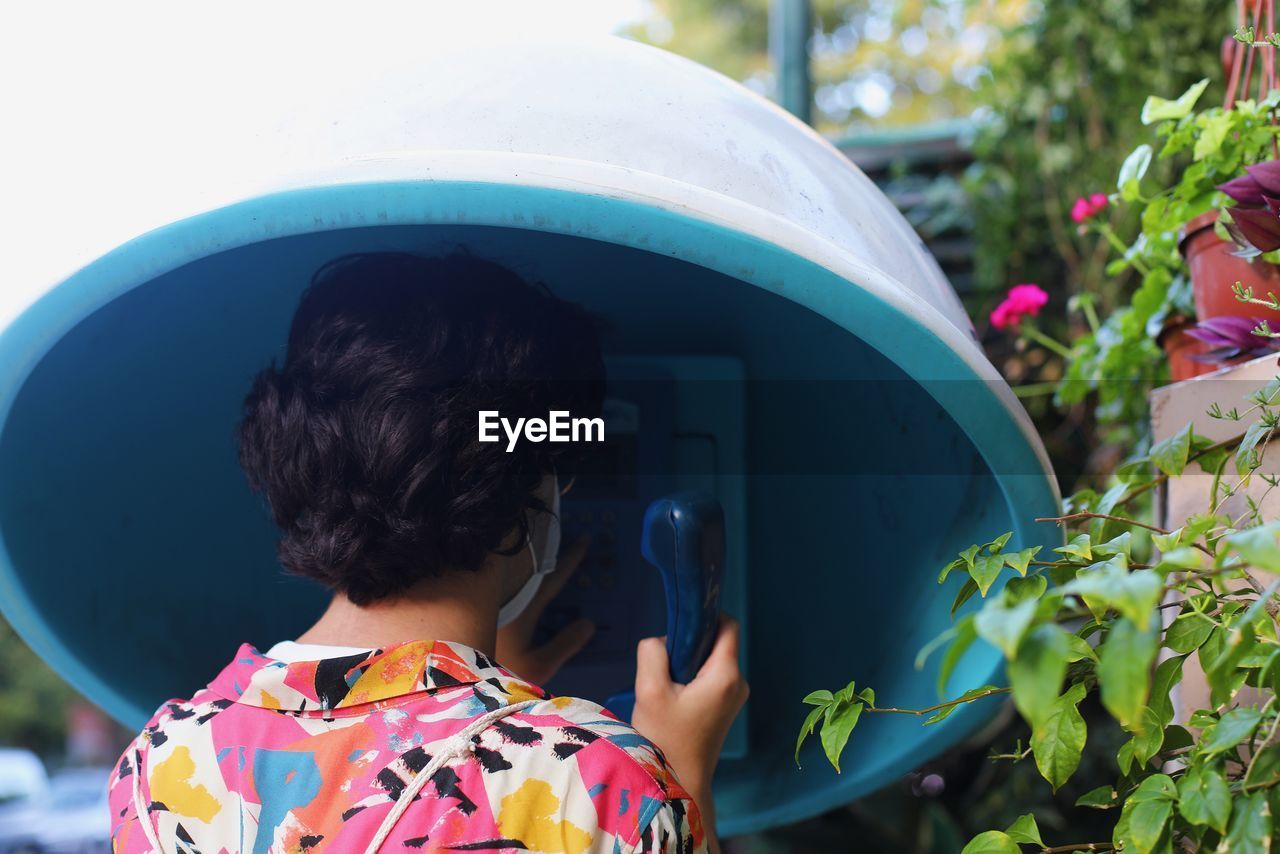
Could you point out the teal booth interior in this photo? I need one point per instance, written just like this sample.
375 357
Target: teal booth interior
137 558
868 451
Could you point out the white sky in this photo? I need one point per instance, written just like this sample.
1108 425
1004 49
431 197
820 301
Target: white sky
533 18
53 53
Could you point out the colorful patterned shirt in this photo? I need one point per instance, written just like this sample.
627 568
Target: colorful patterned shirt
427 745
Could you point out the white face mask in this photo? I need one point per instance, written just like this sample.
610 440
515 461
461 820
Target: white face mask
544 547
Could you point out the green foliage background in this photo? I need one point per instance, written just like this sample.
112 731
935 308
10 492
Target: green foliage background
33 700
1064 100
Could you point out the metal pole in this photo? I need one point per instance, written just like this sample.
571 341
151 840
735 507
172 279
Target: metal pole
790 25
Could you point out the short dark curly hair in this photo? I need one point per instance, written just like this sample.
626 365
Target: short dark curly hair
364 442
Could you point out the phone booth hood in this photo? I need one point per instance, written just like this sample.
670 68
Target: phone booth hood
174 205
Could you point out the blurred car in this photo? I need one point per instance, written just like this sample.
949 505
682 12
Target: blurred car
24 788
70 817
22 776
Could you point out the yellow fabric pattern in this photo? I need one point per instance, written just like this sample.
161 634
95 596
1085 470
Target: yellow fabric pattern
528 814
393 674
170 784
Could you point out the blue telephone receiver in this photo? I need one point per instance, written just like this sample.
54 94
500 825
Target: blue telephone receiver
683 537
674 427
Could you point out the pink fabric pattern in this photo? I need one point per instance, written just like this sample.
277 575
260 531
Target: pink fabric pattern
311 756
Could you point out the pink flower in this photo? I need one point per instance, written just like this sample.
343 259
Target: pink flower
1087 208
1021 301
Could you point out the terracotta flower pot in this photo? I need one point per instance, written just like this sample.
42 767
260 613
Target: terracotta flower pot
1179 347
1215 271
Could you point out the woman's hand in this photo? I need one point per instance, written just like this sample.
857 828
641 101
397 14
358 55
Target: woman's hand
515 650
689 723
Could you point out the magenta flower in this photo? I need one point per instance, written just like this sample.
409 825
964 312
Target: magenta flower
1022 301
1087 208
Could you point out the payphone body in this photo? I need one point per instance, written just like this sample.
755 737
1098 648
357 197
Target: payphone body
672 424
692 215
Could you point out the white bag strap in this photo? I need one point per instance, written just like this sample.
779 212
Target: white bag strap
454 747
144 816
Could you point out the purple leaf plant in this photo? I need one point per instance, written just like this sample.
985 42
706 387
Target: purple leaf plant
1231 338
1255 219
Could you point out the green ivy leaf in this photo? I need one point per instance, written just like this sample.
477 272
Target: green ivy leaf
1157 787
946 570
1124 671
1022 589
985 571
1183 557
965 635
845 694
1200 524
1259 606
1223 673
1161 109
1250 830
1115 546
1188 632
1269 677
1165 542
1211 461
807 729
991 842
1124 757
1132 170
1101 798
1269 394
818 698
1078 649
1258 546
1246 459
1133 594
1037 671
1170 455
1057 743
1231 729
945 712
1212 134
996 545
1106 504
837 724
1020 560
1264 768
1149 738
1080 546
1147 823
966 593
1002 625
1168 674
1025 830
965 559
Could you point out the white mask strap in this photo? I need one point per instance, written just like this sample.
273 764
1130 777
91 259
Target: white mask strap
546 531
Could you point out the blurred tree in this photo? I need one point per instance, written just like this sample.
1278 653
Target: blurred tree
875 63
33 699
